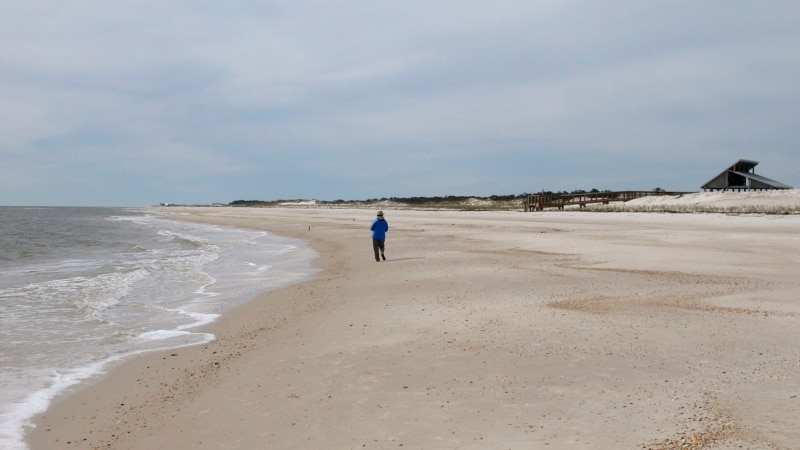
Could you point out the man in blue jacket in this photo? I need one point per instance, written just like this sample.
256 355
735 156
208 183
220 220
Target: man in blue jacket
379 228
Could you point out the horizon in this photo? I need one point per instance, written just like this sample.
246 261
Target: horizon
401 198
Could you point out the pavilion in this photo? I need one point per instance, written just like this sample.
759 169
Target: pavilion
741 177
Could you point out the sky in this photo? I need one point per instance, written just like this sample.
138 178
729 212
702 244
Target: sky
133 103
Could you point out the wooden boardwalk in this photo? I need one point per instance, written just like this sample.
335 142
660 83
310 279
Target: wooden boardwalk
540 202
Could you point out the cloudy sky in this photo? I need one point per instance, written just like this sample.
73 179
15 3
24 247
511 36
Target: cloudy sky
126 103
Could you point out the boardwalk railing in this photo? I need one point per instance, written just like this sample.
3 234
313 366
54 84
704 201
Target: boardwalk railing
538 202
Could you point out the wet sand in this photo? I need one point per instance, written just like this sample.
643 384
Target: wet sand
482 330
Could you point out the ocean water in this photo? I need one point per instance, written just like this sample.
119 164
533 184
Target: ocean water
84 288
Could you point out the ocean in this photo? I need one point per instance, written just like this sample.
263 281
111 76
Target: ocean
82 289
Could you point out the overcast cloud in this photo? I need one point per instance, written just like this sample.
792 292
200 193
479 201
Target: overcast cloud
140 102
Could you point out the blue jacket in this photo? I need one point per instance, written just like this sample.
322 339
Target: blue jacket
379 228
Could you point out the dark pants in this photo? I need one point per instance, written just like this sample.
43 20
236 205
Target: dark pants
377 244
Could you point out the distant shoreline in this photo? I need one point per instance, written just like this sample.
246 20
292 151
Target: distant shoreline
722 202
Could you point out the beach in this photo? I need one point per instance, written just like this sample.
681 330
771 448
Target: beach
481 330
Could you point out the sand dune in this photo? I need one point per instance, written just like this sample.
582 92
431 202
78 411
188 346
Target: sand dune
749 201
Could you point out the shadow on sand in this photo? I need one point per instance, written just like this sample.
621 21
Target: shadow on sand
403 259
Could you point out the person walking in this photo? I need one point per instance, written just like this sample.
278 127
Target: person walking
379 228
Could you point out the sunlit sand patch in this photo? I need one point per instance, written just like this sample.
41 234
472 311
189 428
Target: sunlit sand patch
760 303
629 291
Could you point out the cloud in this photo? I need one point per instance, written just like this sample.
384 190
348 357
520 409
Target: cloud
358 99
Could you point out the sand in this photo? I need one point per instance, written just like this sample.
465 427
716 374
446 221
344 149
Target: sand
483 330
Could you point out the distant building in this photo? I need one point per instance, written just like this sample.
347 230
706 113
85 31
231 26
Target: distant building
741 177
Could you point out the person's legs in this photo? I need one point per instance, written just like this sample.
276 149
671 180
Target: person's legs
381 245
376 244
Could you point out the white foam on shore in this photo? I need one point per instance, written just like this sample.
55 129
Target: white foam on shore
137 313
36 403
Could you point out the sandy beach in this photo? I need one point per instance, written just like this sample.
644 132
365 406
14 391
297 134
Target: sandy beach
482 330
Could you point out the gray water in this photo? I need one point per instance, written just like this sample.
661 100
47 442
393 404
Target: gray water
84 288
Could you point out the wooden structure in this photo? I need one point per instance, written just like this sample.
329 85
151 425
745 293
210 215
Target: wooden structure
539 202
741 176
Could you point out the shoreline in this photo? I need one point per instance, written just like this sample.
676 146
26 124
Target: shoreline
184 377
482 330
